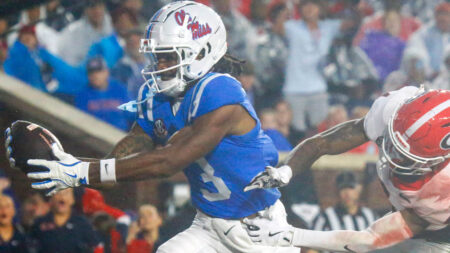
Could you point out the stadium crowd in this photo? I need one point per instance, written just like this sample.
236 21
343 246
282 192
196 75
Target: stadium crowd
309 65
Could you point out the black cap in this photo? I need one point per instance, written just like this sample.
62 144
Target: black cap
346 180
96 64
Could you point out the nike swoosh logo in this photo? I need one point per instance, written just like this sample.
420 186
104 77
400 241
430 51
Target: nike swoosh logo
228 231
70 175
403 196
349 250
276 233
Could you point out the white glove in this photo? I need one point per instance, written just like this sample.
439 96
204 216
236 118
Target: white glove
265 232
271 178
8 140
62 174
231 233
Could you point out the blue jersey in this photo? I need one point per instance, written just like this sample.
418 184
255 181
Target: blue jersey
216 180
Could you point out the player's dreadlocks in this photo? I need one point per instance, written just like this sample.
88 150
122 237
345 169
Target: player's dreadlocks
229 64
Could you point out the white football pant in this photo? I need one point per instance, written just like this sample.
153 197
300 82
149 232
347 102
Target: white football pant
200 237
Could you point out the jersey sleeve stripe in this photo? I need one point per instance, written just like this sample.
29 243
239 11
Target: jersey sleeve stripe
198 95
139 105
149 109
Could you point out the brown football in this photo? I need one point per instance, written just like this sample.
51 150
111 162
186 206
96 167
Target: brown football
31 141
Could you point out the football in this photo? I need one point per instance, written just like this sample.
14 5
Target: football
30 141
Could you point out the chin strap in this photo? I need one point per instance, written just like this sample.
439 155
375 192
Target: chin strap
132 105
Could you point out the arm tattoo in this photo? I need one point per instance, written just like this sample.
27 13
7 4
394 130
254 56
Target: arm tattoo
130 145
188 145
135 142
336 140
344 137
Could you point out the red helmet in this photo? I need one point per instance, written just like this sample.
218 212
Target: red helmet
418 136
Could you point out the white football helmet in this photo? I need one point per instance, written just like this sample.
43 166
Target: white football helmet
188 35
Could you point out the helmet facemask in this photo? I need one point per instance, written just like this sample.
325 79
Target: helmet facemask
394 149
171 79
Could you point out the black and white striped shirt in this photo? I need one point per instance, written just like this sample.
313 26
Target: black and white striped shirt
337 218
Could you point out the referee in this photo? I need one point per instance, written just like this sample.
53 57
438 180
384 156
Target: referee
347 214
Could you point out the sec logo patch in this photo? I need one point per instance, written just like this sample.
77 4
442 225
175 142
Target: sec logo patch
160 129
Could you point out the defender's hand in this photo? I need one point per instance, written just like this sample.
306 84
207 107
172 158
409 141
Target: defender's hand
262 231
235 238
271 178
62 174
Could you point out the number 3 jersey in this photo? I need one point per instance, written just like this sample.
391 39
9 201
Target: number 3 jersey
216 180
429 195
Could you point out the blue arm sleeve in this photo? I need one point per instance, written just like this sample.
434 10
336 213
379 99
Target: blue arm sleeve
71 79
108 48
220 91
21 65
12 63
94 50
81 101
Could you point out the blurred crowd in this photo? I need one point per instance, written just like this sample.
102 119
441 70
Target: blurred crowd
80 221
325 60
309 65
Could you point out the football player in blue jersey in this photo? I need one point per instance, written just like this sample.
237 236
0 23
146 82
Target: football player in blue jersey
200 118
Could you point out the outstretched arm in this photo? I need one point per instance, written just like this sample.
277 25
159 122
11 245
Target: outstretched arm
185 147
384 232
135 141
336 140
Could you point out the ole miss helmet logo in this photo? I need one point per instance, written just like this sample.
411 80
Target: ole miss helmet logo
198 30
